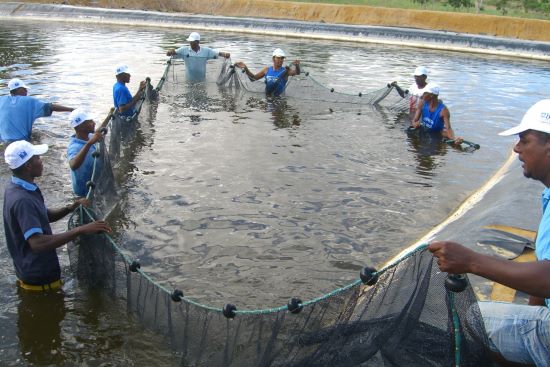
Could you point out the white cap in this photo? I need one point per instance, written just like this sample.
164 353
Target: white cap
122 68
432 88
537 118
78 116
19 152
421 70
194 36
279 53
16 83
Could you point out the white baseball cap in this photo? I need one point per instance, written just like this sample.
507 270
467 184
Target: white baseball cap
19 152
16 83
432 88
194 36
421 70
122 68
279 53
78 116
537 118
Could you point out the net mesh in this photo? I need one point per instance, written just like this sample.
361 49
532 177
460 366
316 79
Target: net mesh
406 318
306 87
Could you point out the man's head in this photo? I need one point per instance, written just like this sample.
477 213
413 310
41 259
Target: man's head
533 147
82 121
24 158
122 73
420 75
278 57
194 40
17 87
431 92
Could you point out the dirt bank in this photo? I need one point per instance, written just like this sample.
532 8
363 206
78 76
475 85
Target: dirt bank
519 28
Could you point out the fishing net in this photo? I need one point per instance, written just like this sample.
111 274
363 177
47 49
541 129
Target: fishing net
302 87
306 87
404 314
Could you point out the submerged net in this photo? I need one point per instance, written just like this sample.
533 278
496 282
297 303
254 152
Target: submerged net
302 87
306 87
405 318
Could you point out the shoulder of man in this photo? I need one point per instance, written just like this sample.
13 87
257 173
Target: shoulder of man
75 145
22 200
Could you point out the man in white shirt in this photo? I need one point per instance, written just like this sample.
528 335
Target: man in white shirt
195 57
416 90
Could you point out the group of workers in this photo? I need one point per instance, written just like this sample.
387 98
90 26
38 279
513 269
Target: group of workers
29 237
517 333
426 110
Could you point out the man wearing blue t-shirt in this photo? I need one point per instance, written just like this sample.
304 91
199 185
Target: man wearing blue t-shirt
81 148
19 111
195 57
122 98
432 115
517 333
29 236
276 76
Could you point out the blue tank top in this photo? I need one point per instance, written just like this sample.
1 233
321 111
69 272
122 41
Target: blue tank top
275 82
432 120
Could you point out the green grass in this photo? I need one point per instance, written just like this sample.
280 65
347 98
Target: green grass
513 8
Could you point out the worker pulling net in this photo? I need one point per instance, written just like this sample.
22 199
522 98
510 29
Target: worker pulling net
94 268
406 314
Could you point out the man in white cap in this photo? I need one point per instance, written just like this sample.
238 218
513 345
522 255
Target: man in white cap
81 148
433 115
276 76
29 236
517 333
19 111
122 98
194 56
416 90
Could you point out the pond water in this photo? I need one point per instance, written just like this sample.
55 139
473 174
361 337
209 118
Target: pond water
249 205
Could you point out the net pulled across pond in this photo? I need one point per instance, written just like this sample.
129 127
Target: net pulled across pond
400 315
302 87
305 86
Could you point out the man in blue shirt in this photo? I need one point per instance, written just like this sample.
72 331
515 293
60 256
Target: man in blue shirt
276 76
81 148
122 98
517 333
29 236
19 111
195 57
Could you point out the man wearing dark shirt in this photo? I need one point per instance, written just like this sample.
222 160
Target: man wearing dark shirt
29 236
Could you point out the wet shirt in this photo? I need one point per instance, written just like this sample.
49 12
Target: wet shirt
25 215
415 96
122 96
432 120
542 248
275 82
195 62
17 115
83 174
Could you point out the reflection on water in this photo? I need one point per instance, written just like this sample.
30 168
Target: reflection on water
234 197
39 326
428 148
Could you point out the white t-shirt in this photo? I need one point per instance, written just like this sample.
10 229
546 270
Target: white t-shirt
415 94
